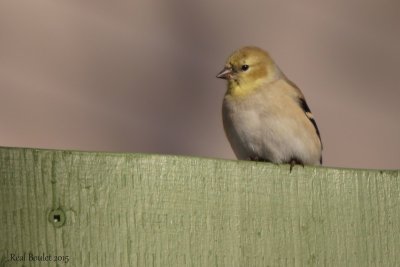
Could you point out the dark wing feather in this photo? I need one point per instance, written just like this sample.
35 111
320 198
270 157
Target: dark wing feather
307 111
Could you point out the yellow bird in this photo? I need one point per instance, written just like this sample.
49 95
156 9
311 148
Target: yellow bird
265 115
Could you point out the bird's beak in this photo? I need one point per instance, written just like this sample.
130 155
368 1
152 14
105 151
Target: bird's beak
225 73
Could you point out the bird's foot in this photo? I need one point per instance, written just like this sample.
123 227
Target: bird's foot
256 158
295 161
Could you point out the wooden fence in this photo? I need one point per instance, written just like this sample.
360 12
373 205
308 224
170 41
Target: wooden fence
68 208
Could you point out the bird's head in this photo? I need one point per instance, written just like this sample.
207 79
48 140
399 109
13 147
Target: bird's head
247 68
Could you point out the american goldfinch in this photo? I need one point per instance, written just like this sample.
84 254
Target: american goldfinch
265 115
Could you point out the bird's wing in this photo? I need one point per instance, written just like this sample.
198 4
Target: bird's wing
304 106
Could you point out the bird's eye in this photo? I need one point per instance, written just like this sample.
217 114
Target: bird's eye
245 67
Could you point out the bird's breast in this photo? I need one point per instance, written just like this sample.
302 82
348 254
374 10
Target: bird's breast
243 126
264 126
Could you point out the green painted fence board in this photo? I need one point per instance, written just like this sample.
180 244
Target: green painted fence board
107 209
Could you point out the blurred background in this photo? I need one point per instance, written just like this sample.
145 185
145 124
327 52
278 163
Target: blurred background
139 76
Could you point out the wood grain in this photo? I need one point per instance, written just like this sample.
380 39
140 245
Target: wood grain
158 210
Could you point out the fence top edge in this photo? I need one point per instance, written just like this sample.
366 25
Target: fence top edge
184 158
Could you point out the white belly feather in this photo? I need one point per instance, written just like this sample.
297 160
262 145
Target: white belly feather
260 128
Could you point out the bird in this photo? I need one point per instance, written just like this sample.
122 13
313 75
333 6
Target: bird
265 115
